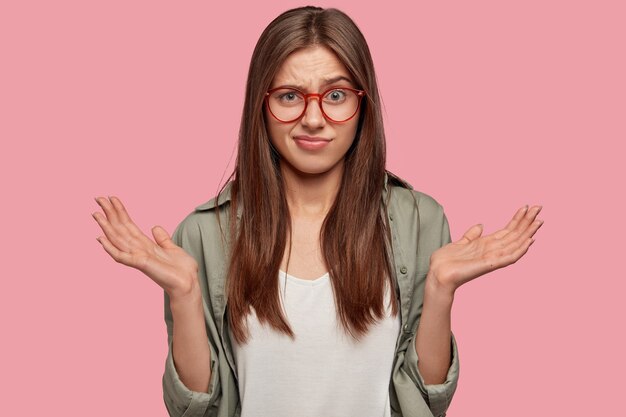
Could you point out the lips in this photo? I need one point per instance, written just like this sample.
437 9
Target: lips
311 138
311 143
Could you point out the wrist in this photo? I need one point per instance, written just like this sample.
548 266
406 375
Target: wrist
186 293
437 290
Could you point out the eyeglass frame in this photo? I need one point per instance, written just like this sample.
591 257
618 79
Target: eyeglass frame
359 93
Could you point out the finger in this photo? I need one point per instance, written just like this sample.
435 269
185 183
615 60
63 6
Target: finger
111 233
519 251
116 232
523 239
502 257
108 209
472 233
519 215
532 229
162 238
119 256
122 214
521 227
528 218
512 224
127 222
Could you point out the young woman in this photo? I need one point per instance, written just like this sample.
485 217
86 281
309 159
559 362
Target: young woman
316 283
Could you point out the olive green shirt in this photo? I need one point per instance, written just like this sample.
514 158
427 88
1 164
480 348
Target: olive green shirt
416 229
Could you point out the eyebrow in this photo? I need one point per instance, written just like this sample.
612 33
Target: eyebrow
327 81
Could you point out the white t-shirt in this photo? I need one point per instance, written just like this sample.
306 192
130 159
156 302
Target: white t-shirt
323 372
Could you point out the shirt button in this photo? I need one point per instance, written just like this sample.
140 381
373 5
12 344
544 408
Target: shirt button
403 269
391 217
406 326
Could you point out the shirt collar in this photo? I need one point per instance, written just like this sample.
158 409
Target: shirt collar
219 200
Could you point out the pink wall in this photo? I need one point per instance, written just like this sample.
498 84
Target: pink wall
503 103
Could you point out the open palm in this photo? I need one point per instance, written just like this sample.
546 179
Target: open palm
164 262
473 255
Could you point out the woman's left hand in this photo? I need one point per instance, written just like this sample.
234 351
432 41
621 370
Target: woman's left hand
473 255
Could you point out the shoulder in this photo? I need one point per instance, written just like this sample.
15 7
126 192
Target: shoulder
414 214
404 197
220 200
205 217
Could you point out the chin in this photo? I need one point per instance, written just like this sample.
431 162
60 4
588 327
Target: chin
302 168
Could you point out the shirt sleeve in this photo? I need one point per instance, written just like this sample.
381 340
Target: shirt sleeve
437 396
179 399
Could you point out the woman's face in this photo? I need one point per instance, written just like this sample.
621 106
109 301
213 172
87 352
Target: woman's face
310 69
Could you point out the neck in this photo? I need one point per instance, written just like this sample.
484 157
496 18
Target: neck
311 195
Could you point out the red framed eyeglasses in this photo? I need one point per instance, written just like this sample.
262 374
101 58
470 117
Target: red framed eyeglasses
338 104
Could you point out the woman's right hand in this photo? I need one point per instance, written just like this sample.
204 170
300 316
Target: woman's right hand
164 262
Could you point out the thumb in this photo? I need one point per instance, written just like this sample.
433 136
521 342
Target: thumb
162 238
472 233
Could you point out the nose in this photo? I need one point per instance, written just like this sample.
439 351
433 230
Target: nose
313 116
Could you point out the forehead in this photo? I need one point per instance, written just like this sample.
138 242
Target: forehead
310 67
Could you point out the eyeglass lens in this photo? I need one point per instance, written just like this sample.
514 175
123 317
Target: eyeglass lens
288 104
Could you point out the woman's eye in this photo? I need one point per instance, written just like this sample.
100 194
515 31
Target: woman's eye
336 95
289 96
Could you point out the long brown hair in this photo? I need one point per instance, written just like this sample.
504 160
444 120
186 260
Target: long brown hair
355 238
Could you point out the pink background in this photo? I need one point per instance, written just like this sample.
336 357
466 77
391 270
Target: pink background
502 104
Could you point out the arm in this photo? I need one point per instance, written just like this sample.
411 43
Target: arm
432 342
419 393
177 265
452 265
190 344
191 383
432 355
